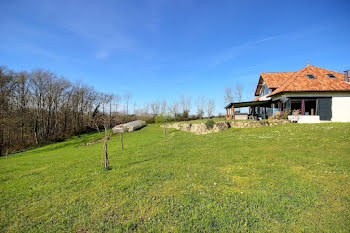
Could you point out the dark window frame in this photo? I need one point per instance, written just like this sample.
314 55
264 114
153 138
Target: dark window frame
310 76
331 75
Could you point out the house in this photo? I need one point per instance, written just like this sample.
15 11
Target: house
312 94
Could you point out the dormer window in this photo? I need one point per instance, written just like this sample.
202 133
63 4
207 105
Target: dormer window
310 76
331 75
264 90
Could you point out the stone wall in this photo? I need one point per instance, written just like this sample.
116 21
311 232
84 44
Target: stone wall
201 128
253 124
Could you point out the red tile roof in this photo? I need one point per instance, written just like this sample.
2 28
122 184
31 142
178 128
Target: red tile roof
300 82
273 80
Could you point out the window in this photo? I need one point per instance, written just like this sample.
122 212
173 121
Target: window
264 90
310 76
331 75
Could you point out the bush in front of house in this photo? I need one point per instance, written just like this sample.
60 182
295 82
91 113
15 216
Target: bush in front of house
280 115
209 124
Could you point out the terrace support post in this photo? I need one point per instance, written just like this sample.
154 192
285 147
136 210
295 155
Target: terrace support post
302 107
233 112
226 113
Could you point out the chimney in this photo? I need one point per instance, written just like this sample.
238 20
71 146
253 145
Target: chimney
346 76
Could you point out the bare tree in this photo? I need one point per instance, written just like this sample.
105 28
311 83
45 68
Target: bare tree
96 118
239 92
155 107
108 135
228 95
116 101
201 103
210 107
21 92
185 104
163 107
146 109
7 86
109 101
174 109
135 108
39 81
127 97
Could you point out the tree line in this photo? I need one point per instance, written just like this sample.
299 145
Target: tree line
39 107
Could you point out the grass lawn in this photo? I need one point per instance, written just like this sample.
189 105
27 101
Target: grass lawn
270 179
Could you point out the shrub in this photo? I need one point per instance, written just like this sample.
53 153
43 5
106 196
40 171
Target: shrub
149 120
285 114
279 115
185 115
209 124
193 117
162 118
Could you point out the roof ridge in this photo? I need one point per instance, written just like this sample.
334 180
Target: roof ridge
279 72
325 69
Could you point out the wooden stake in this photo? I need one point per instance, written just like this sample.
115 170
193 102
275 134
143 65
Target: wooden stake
121 141
105 150
105 154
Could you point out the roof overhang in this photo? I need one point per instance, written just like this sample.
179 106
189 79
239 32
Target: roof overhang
248 104
308 92
258 87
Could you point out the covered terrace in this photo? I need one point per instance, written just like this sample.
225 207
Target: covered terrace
254 106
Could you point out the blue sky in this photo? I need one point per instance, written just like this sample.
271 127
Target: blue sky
162 49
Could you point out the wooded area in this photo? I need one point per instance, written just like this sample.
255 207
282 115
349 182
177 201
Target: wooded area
39 107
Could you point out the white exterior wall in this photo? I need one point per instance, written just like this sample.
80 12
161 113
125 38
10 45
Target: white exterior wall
305 119
341 109
241 117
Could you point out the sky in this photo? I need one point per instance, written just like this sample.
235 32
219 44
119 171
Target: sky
161 49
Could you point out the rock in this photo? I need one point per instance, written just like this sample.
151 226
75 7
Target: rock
199 129
220 126
128 127
185 127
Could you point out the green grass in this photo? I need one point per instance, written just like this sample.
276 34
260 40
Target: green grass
283 178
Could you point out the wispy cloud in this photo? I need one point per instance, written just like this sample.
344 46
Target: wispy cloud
237 50
100 27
